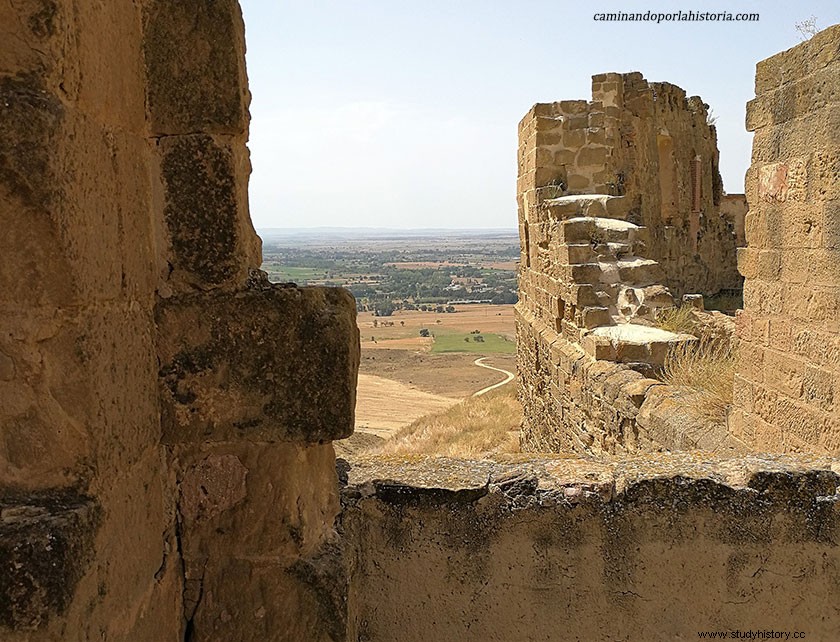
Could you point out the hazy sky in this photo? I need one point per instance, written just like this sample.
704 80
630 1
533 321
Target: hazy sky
399 113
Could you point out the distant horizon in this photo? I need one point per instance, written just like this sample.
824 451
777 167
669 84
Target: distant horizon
376 232
512 229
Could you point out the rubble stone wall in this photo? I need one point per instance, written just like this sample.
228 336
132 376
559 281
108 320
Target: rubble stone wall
787 386
577 403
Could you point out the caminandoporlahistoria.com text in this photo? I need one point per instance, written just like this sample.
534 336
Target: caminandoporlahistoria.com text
676 16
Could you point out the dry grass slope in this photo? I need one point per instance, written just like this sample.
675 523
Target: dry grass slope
476 427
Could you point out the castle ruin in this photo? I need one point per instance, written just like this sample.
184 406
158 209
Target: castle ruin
620 212
166 415
620 215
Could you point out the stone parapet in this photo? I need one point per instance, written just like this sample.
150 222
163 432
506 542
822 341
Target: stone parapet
562 548
578 402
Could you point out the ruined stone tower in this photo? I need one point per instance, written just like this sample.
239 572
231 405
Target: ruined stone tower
619 212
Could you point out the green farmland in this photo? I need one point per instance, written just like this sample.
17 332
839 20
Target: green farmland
460 342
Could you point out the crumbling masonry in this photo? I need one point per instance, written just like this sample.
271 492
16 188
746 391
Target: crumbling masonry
619 212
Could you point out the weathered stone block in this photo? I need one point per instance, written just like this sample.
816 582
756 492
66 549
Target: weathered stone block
598 347
780 336
795 266
194 54
765 403
271 364
826 169
739 424
769 264
210 237
46 543
592 156
594 317
799 420
831 216
818 387
784 373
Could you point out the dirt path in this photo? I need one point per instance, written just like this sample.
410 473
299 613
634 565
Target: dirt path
509 377
384 405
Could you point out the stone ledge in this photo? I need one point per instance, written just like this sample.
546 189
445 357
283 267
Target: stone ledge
436 546
46 542
551 479
265 364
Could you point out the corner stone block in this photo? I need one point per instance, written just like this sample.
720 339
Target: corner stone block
262 365
195 53
46 543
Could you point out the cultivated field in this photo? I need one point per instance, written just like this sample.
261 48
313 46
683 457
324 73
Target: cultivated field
404 377
419 364
401 330
383 406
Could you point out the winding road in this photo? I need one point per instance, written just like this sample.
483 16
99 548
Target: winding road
509 377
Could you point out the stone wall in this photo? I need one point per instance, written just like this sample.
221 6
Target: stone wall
166 471
80 454
563 549
787 387
621 210
651 145
733 208
165 413
579 399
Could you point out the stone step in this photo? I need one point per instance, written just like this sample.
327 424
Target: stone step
593 317
621 249
578 253
631 271
575 253
588 205
632 343
599 230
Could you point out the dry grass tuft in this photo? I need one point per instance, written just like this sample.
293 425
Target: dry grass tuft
680 319
706 365
476 427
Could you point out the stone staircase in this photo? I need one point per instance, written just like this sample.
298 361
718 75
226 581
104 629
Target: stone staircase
603 255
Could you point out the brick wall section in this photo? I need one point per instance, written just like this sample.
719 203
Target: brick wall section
787 387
